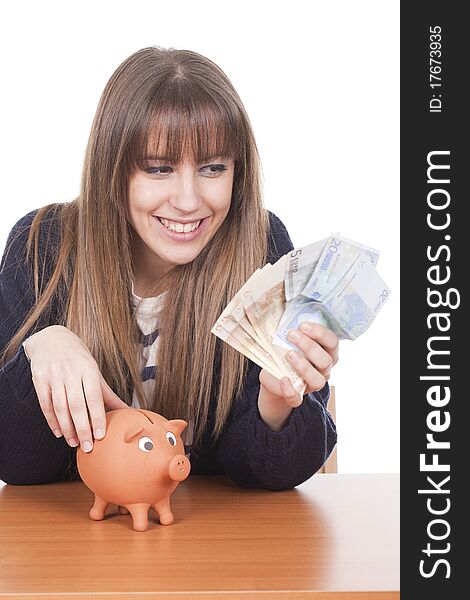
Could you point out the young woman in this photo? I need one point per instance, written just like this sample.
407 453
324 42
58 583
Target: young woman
107 301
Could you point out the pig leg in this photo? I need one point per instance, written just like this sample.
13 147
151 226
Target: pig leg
163 511
140 515
98 509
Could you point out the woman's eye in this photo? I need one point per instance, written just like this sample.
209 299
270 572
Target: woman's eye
210 170
159 170
145 444
213 169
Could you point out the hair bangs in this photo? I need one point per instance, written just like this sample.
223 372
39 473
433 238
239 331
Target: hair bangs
184 127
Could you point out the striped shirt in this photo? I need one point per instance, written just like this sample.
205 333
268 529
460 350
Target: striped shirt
146 312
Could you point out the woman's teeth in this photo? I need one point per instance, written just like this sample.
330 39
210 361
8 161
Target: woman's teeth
179 227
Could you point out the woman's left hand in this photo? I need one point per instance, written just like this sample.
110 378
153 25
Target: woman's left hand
320 348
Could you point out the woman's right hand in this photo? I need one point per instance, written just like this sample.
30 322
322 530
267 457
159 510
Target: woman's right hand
69 384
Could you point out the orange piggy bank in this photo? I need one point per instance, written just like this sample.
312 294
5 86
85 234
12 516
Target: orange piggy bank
137 465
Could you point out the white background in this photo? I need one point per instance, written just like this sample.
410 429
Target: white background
320 83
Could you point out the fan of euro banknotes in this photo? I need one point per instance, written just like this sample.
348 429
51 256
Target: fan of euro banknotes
332 282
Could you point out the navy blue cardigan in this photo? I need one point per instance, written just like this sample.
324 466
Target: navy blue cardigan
248 451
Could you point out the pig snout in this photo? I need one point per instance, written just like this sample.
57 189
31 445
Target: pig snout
179 467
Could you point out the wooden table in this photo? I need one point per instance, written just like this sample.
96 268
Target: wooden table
335 536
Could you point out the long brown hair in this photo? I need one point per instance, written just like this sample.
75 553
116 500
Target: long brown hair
179 104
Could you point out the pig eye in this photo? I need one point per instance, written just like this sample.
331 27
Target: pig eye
171 438
145 444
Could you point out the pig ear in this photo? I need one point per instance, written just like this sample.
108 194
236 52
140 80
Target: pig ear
178 425
132 432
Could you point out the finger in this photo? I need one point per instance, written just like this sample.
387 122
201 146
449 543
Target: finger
271 383
315 353
110 399
324 336
61 410
290 394
94 401
314 379
79 413
44 394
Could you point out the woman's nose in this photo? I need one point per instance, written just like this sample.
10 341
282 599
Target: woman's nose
186 197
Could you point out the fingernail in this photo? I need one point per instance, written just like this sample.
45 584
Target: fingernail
73 442
99 433
293 335
292 355
57 433
87 446
307 327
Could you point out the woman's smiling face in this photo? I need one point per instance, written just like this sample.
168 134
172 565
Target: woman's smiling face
175 209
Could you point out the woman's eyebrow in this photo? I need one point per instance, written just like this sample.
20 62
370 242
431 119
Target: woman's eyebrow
167 158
